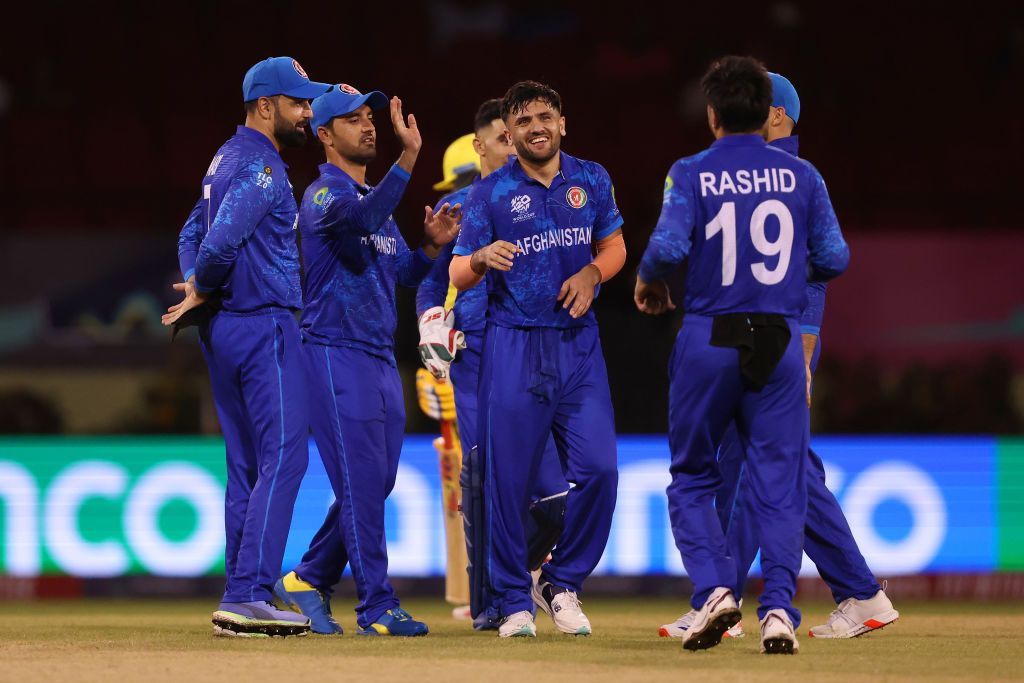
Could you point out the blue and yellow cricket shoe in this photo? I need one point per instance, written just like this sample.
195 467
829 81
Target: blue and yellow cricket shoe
302 597
395 622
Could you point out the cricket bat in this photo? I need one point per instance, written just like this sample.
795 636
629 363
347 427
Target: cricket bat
449 451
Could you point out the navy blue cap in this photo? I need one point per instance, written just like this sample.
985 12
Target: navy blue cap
280 76
343 99
784 95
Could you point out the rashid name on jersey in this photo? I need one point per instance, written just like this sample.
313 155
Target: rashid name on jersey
764 214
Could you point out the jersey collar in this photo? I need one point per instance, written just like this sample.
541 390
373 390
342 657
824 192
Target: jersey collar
789 144
567 167
329 169
746 140
259 138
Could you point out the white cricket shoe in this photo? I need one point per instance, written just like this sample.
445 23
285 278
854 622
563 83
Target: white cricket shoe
717 615
777 634
855 617
563 608
518 625
678 628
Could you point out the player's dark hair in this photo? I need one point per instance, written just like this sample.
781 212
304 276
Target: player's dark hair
519 96
740 92
488 111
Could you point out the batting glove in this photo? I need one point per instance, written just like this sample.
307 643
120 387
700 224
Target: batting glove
436 398
439 340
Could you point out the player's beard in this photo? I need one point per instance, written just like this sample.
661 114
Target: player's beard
361 155
288 135
524 152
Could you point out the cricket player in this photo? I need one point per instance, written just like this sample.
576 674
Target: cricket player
767 223
354 256
533 228
862 604
437 318
240 262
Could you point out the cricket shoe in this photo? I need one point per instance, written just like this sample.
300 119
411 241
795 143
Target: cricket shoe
777 634
562 605
855 617
302 597
678 628
395 622
257 620
518 625
717 615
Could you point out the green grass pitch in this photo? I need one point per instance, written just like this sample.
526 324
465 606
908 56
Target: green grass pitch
153 641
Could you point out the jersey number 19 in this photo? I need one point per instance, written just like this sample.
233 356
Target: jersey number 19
725 223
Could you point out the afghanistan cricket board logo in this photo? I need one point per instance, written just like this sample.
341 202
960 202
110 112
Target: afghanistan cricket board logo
299 70
577 197
346 88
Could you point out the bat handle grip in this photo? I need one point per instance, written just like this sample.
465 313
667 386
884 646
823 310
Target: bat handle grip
446 433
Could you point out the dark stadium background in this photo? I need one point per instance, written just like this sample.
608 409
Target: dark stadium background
110 113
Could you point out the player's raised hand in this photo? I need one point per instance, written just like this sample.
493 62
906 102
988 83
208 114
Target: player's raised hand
406 130
192 299
440 228
497 255
577 293
652 297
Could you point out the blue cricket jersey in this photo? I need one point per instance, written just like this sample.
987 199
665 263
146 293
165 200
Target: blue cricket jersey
756 222
470 306
554 226
239 239
814 311
354 255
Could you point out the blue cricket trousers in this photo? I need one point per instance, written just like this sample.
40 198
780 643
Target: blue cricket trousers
358 419
828 540
706 394
535 382
465 376
256 373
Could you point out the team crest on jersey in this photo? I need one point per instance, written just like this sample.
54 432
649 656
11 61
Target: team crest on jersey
299 70
521 204
346 88
576 196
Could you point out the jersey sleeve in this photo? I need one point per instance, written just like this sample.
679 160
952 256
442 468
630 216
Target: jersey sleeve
344 211
827 252
814 312
608 217
477 230
189 239
673 235
248 199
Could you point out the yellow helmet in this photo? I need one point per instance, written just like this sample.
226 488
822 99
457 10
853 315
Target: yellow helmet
459 158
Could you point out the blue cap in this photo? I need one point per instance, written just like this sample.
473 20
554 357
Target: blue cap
343 99
279 76
784 95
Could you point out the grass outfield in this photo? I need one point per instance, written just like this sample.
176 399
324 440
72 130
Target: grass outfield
171 641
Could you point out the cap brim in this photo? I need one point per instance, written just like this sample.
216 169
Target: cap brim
445 185
376 100
308 91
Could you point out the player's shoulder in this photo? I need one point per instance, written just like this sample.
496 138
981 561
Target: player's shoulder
591 171
456 197
688 164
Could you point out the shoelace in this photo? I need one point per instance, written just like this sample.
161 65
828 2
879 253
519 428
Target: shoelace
571 598
400 614
839 613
